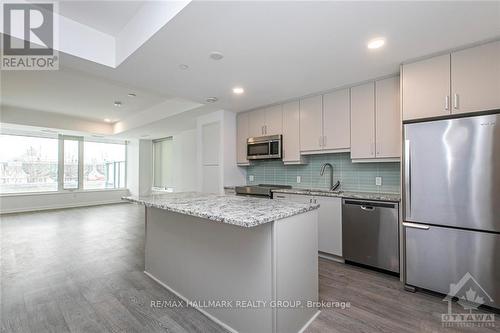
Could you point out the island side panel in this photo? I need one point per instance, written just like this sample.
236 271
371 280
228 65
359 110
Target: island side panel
204 260
296 239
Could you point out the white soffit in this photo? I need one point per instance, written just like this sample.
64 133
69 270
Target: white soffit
107 40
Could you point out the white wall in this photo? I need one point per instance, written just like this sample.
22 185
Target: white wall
229 173
42 201
184 167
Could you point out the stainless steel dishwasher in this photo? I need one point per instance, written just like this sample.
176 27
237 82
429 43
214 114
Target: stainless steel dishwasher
370 233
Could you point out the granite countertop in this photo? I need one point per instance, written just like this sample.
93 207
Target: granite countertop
237 210
341 194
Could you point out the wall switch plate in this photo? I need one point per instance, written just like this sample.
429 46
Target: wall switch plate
378 181
251 178
299 179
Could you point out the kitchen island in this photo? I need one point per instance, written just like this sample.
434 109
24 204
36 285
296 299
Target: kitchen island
248 263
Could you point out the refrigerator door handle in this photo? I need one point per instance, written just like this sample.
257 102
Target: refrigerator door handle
416 226
407 179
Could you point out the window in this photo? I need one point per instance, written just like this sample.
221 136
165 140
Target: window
104 165
162 163
71 163
39 164
28 164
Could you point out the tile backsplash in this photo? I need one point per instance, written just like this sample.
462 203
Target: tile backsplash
359 177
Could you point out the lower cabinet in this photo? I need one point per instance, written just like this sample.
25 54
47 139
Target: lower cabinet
329 220
330 225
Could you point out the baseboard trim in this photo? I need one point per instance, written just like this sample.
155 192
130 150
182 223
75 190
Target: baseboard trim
306 325
185 299
331 257
54 207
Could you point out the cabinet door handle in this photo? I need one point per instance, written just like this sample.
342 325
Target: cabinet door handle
455 101
280 196
447 103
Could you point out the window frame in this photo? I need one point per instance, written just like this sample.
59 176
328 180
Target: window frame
60 162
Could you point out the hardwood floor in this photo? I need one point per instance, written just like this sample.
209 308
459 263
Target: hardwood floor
80 270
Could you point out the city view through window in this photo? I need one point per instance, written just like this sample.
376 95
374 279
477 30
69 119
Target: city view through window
31 164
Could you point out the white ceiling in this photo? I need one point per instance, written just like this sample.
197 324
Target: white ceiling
281 50
74 93
275 50
109 17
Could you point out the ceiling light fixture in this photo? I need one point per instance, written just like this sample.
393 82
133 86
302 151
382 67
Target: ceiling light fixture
131 95
117 104
211 99
376 43
238 90
183 67
107 120
216 55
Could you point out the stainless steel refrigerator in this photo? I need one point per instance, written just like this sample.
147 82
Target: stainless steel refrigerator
451 203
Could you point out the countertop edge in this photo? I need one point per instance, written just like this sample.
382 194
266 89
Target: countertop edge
350 195
230 221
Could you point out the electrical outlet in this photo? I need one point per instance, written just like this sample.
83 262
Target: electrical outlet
378 181
251 178
299 179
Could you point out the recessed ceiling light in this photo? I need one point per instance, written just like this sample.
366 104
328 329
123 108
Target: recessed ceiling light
376 43
211 99
107 120
216 55
117 104
183 67
238 90
131 95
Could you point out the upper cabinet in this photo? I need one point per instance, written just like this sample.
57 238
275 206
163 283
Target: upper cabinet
426 88
242 134
363 121
274 120
463 81
475 78
336 120
291 128
387 118
311 123
375 120
325 123
267 121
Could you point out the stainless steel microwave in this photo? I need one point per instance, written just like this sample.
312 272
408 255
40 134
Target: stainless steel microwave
264 147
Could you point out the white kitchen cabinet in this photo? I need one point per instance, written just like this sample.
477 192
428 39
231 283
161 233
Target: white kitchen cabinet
387 118
336 120
291 128
311 123
267 121
274 120
475 78
375 121
242 134
329 220
363 121
330 225
426 88
256 122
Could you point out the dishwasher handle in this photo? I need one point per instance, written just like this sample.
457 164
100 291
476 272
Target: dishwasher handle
367 208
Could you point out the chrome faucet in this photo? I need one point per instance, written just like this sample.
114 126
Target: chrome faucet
333 187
